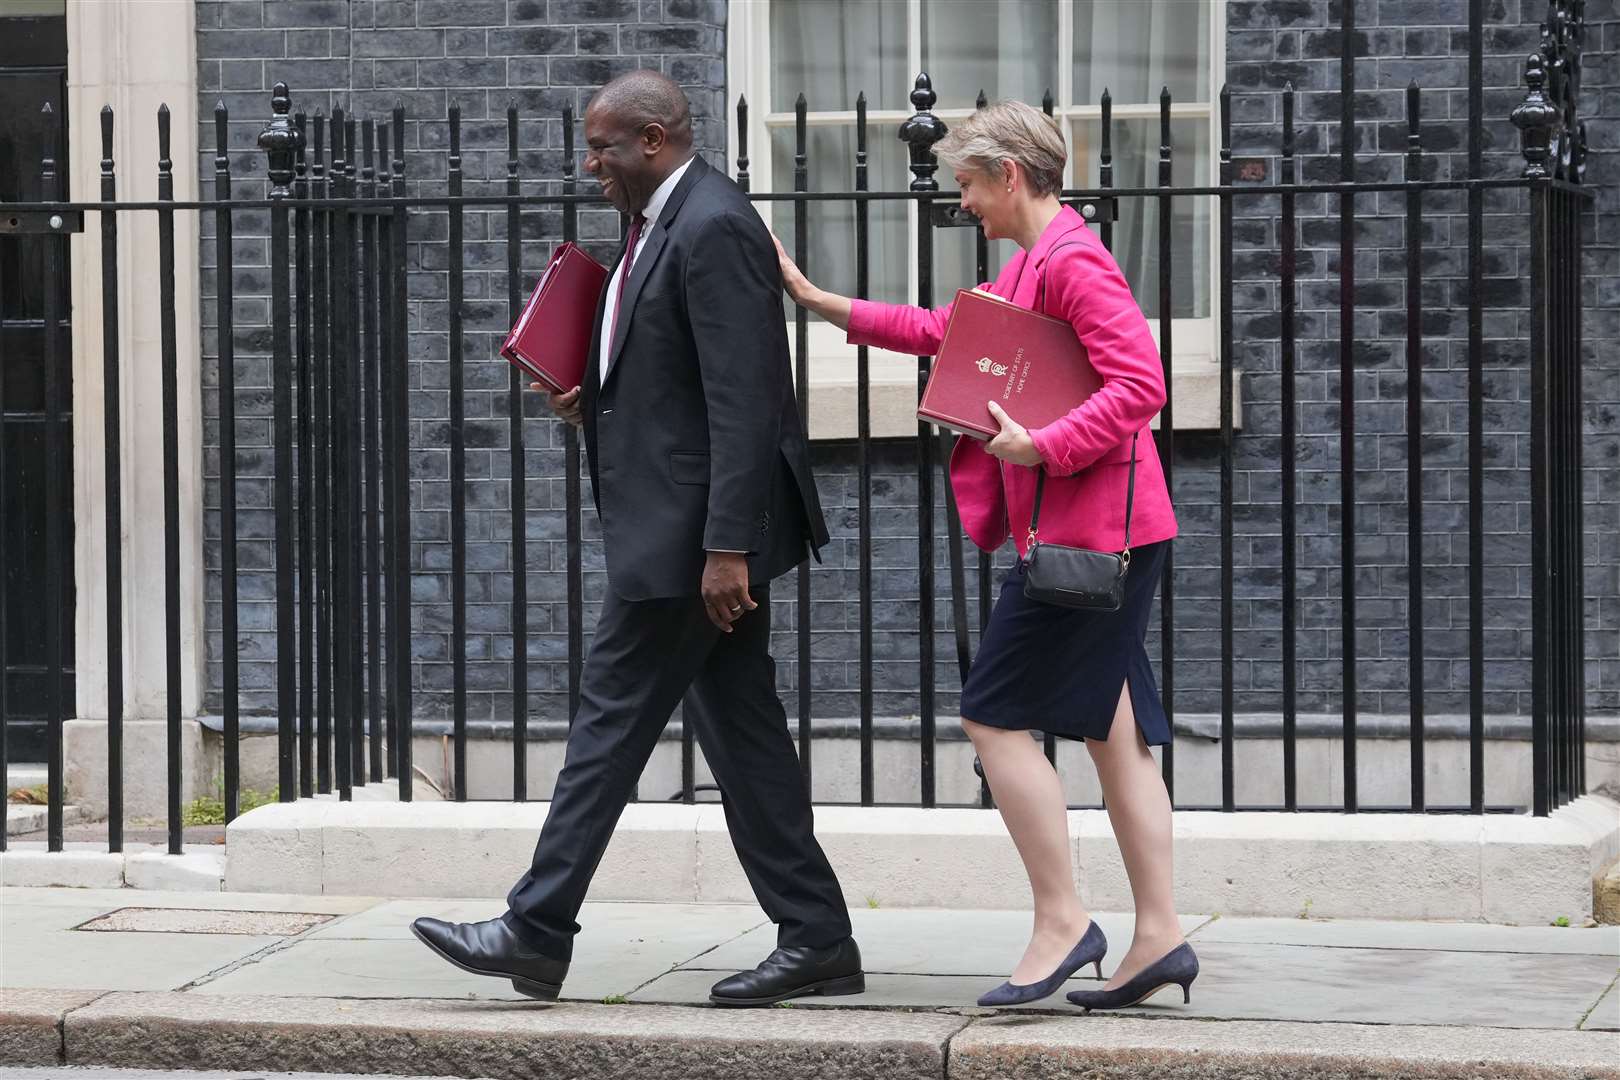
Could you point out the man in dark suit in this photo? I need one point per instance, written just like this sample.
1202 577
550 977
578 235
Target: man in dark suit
701 474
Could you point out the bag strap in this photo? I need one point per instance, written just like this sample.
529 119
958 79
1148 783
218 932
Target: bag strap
1130 499
1040 478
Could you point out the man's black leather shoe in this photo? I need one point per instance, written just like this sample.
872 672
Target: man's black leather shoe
490 948
795 972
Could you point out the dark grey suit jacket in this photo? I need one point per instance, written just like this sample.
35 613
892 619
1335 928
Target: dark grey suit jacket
694 439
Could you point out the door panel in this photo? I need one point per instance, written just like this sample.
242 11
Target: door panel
33 71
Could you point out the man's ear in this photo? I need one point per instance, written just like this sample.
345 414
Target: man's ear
653 139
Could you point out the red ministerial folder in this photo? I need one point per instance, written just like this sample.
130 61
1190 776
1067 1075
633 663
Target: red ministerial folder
553 334
1030 364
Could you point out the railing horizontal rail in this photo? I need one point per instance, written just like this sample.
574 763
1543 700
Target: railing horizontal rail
417 202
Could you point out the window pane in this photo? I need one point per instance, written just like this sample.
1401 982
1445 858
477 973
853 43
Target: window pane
1007 49
830 160
956 261
831 50
1136 233
1135 48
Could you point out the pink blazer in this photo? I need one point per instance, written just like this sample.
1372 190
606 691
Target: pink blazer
1087 452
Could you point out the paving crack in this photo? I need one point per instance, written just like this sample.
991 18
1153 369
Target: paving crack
251 958
1580 1025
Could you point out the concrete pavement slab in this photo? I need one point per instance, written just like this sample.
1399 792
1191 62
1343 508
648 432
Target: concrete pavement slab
357 969
502 1040
930 941
690 986
81 960
622 947
1116 1048
1605 1015
1386 986
1454 937
29 1019
11 899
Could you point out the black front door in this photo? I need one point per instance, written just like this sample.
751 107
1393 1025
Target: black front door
33 73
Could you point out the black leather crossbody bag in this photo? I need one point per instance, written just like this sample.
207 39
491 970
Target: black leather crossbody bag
1078 577
1075 577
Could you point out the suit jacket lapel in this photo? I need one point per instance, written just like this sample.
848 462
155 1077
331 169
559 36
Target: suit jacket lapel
632 291
658 233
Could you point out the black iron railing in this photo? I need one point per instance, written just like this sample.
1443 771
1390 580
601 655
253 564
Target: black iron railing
341 318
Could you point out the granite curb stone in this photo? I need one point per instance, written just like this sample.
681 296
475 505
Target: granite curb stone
505 1041
517 1041
30 1023
1109 1048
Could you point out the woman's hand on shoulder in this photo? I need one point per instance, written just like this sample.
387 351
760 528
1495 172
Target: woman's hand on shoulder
793 280
1013 443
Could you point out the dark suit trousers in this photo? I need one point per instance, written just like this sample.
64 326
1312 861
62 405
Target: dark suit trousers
646 655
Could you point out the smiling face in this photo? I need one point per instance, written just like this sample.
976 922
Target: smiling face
623 158
986 197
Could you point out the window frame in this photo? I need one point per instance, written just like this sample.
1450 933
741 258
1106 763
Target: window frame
1194 363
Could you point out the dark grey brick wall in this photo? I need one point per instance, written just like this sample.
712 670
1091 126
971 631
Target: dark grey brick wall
483 53
1397 41
480 55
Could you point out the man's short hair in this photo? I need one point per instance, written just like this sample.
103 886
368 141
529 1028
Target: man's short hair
641 97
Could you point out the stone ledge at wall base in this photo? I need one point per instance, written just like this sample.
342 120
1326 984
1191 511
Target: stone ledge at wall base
1496 868
146 749
1383 755
92 866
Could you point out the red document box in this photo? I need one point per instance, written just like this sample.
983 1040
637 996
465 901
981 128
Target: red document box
553 334
1032 365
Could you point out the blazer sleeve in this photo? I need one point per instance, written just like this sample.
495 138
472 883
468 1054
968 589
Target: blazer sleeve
901 328
733 287
1084 285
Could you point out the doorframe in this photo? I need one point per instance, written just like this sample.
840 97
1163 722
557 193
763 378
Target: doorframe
135 61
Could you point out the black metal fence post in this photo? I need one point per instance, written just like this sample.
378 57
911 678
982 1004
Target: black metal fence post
113 499
225 351
920 133
171 475
304 409
399 496
280 141
1414 441
1535 118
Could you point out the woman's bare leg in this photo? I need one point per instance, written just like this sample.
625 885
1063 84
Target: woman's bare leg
1030 798
1139 810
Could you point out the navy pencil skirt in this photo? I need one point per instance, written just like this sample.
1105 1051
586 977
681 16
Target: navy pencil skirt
1059 670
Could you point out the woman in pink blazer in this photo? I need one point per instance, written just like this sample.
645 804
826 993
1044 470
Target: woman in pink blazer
1075 673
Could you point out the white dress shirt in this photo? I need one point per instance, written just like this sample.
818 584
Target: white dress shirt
610 310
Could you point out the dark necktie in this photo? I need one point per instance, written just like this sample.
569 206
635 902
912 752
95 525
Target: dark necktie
619 316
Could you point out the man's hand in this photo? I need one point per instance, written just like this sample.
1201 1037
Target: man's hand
564 405
725 588
1013 443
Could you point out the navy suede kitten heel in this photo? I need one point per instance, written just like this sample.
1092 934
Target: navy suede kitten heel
1178 967
1092 948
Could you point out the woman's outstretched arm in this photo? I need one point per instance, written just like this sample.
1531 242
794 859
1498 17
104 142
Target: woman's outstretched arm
899 327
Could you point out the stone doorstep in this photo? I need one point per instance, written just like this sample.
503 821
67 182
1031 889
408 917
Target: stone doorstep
1499 868
649 1042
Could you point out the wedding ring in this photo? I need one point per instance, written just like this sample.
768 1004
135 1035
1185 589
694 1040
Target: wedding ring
736 608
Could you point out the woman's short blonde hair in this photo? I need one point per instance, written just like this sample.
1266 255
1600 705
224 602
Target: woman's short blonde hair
1008 130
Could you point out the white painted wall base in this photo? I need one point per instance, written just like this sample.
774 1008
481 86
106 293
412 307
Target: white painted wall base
1498 868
